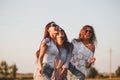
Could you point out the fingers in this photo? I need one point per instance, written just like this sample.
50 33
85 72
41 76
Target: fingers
92 60
40 73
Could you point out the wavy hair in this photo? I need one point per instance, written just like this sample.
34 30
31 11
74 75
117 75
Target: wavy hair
92 38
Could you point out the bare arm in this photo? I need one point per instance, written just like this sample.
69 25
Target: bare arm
88 64
62 72
92 60
40 58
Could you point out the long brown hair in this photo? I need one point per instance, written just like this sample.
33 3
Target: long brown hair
66 42
93 37
46 34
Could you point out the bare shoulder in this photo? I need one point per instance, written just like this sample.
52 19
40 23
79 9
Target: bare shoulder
91 47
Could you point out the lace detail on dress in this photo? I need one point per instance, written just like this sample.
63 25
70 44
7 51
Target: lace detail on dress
80 56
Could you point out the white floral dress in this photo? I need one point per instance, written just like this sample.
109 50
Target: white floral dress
80 55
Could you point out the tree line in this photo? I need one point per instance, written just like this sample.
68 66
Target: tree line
7 71
93 73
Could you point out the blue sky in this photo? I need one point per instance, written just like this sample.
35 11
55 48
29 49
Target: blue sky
22 25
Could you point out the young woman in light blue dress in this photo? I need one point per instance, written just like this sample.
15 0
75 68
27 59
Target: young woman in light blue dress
63 58
47 53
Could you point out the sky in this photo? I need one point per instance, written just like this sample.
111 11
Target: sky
22 24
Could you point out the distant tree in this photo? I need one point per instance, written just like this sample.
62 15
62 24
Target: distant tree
118 71
92 72
4 69
8 71
0 70
13 71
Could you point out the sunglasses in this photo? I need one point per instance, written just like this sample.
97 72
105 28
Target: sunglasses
61 30
90 31
62 38
55 25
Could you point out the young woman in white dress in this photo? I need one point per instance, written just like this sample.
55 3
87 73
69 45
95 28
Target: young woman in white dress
83 53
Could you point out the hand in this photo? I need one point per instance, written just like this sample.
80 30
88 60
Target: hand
40 72
61 76
92 60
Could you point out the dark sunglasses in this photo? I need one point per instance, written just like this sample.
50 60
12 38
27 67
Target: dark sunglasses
90 31
61 30
55 25
62 38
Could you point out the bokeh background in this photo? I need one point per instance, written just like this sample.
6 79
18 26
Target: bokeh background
22 24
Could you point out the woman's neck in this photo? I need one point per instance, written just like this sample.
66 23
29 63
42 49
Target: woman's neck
52 36
60 45
86 41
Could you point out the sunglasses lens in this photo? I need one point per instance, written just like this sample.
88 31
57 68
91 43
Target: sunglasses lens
54 25
90 31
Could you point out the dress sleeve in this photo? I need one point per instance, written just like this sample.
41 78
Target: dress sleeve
46 41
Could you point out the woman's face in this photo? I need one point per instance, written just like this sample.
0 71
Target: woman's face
53 29
60 38
87 33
